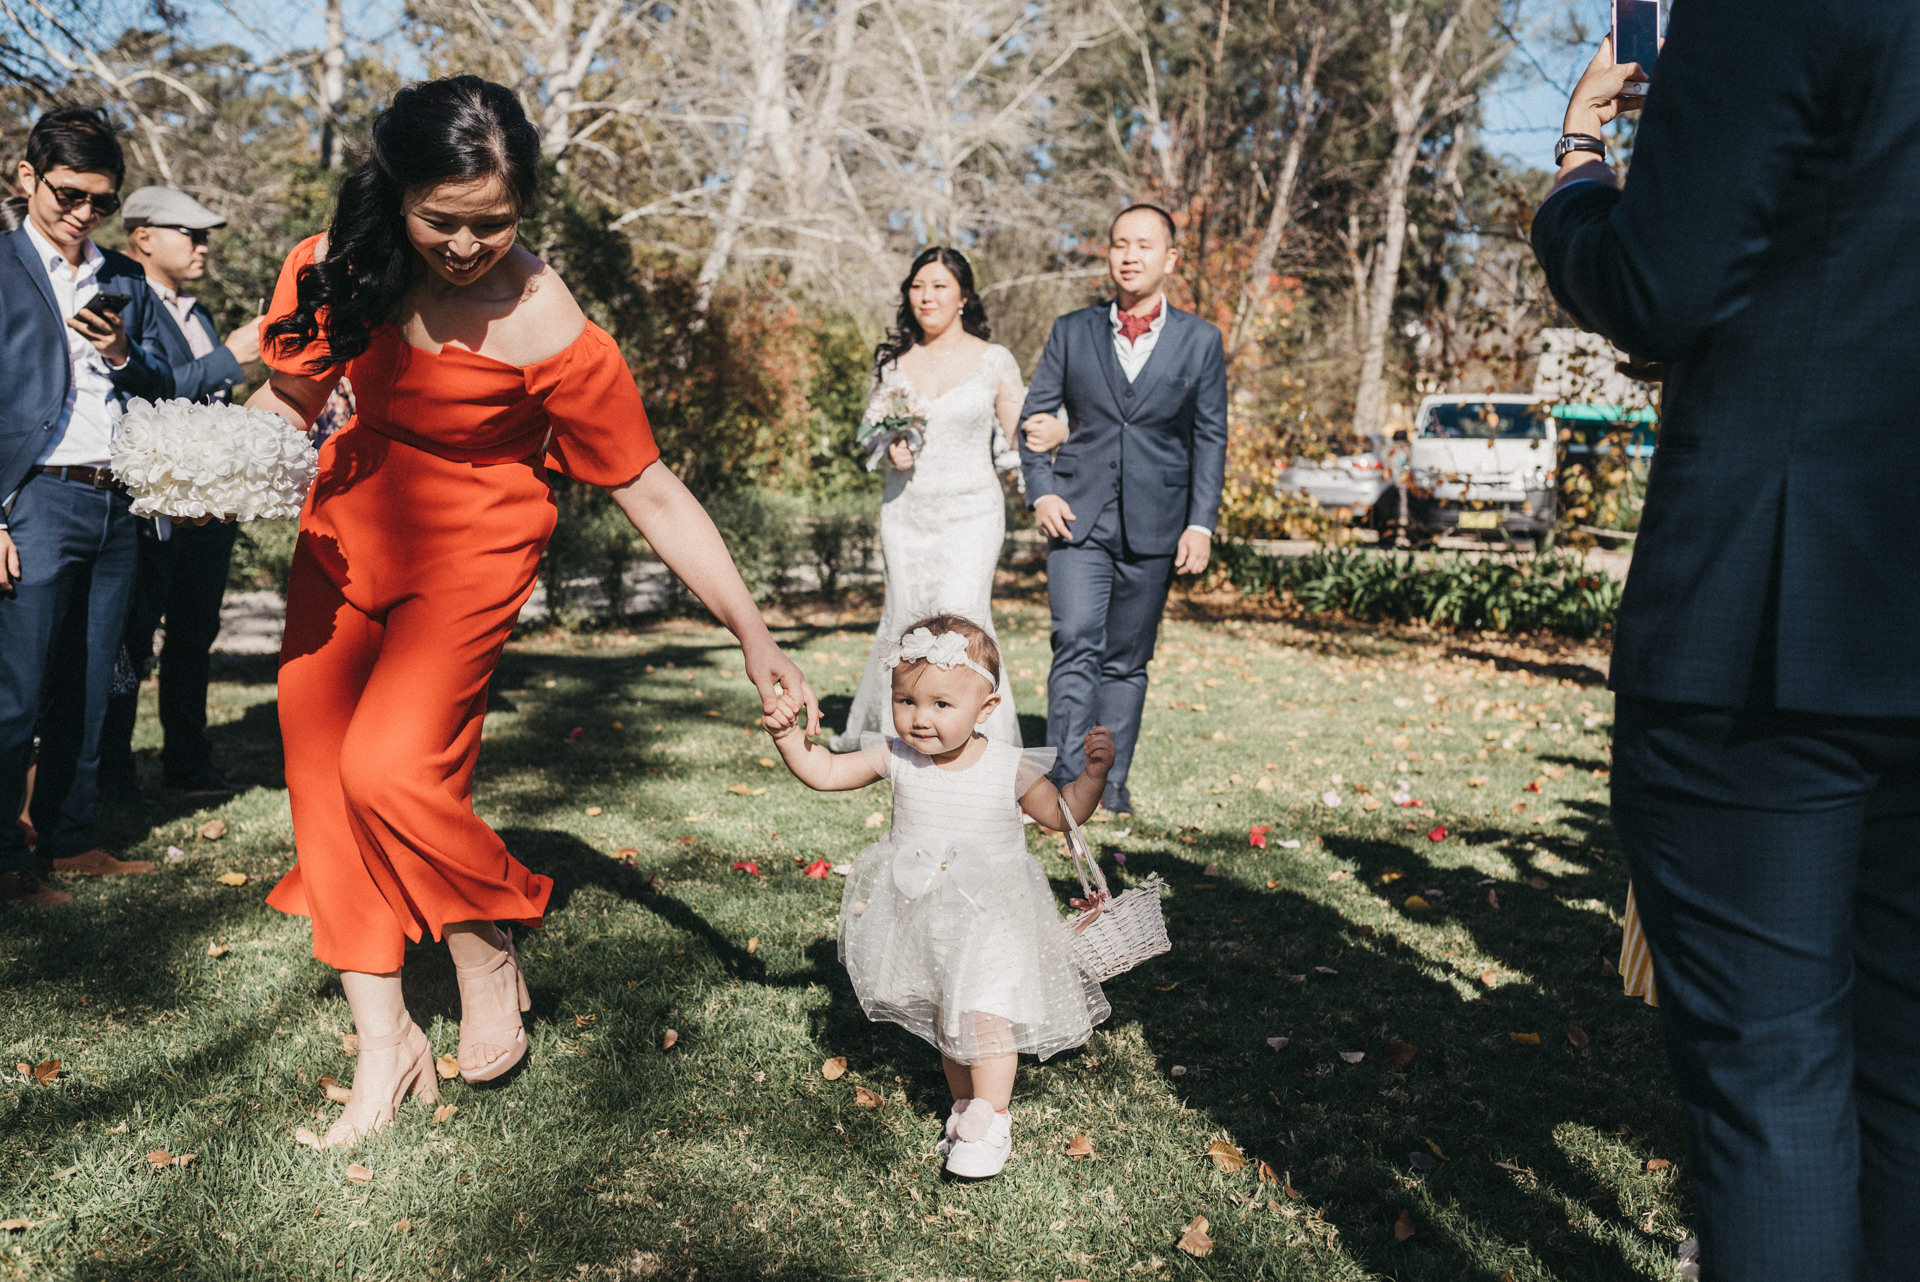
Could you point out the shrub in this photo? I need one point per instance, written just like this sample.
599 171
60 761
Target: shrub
263 556
1546 592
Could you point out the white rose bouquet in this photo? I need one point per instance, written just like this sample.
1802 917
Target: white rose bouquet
890 419
184 460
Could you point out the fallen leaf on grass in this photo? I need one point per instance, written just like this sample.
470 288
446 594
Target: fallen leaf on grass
1416 903
159 1159
175 855
594 812
1436 1149
1257 835
768 762
834 1069
1079 1146
213 829
1193 1239
1338 874
232 879
359 1174
1423 1161
1658 1164
1538 883
1400 1054
218 950
753 945
445 1112
1478 781
1353 1057
1403 1227
669 1039
1493 899
818 869
1517 1170
349 1044
1178 1070
14 1225
1268 1175
1330 798
403 1226
584 1021
1437 834
306 1137
46 1071
1325 970
742 790
1489 977
448 1066
876 820
1578 1036
1211 870
1370 804
746 866
335 1091
1525 1039
627 853
1225 1156
1278 1043
864 1098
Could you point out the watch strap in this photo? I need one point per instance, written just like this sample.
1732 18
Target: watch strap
1578 142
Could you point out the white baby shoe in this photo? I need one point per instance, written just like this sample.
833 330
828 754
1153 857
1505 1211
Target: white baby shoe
982 1141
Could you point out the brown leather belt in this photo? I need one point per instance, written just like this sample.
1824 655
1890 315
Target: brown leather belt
99 478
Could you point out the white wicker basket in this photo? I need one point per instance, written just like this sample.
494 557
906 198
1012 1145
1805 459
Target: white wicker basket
1118 933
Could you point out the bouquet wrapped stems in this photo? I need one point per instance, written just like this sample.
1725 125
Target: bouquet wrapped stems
893 421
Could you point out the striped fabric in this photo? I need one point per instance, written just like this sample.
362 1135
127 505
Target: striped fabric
1636 961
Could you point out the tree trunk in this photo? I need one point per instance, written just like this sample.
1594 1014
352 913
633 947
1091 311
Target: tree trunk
333 85
763 26
1369 398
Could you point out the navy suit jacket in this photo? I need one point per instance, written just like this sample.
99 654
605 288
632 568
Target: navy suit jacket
1157 445
203 378
33 350
1765 248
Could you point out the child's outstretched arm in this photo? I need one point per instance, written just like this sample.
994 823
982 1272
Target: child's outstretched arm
1045 802
811 763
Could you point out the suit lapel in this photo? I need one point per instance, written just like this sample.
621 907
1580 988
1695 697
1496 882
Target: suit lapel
1160 358
36 270
1109 363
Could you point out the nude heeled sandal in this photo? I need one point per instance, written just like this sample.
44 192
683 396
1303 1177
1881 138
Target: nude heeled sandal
501 1032
417 1081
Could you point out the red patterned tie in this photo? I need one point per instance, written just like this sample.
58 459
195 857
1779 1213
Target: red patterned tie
1132 327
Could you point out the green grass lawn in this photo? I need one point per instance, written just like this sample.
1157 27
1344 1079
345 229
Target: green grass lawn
1514 1141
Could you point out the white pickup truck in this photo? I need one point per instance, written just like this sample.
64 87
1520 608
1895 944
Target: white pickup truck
1482 463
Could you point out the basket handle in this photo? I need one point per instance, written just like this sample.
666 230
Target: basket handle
1084 863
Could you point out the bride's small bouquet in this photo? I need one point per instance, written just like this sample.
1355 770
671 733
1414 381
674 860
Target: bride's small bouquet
896 422
179 459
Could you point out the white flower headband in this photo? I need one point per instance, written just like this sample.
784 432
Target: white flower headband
948 650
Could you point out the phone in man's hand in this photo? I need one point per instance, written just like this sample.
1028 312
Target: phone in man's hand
1636 38
109 300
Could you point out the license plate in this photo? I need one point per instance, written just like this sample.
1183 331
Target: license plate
1479 520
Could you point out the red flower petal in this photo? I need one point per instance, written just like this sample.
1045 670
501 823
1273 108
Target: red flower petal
818 868
747 866
1257 835
1438 834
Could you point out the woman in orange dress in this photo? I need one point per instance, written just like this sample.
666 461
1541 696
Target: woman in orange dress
475 374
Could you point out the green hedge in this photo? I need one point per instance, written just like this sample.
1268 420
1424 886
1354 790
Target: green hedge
1545 592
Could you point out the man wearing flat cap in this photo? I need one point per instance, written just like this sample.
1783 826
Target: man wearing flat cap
183 569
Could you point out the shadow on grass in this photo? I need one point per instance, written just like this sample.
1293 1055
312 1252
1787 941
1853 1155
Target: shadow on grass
1246 967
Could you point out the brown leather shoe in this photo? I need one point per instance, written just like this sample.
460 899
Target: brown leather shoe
25 888
98 863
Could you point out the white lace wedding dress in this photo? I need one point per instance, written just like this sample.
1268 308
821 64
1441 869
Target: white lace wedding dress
942 522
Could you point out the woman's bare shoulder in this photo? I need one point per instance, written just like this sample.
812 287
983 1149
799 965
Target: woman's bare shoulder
545 321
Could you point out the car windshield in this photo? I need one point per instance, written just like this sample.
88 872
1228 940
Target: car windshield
1487 420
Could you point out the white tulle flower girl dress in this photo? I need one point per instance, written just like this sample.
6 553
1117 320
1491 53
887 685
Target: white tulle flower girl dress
948 926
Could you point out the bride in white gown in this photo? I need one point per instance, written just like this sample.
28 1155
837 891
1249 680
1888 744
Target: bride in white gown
943 518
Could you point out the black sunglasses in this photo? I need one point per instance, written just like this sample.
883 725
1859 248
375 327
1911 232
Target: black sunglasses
198 235
72 198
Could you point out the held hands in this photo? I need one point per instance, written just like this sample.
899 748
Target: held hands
784 717
107 331
780 682
1196 549
1596 99
1052 515
1045 433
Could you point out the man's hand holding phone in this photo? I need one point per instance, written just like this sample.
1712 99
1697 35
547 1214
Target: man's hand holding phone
100 324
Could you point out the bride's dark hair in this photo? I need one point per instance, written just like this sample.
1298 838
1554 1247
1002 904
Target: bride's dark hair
906 333
454 130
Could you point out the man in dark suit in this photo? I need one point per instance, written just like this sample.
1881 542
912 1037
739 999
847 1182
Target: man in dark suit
183 566
66 535
1766 775
1132 492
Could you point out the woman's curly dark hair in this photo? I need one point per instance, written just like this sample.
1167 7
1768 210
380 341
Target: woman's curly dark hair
906 333
453 130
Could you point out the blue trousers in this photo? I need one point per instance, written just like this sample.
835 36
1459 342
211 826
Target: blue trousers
1106 602
59 631
1776 861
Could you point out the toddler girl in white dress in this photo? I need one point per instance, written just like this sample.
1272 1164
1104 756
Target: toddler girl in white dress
948 926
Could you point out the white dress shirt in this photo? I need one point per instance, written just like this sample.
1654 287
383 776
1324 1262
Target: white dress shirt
180 307
1133 354
83 435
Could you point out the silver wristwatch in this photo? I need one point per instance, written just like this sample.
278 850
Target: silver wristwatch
1578 142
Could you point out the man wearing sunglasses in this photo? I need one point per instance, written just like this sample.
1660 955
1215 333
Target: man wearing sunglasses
183 567
79 333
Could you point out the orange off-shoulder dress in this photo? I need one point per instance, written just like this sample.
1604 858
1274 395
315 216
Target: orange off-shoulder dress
418 546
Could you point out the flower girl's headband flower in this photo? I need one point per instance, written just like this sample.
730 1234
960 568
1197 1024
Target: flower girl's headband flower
946 649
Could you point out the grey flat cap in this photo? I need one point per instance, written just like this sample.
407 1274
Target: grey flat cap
167 207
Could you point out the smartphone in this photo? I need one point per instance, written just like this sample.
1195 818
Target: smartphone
109 300
1636 38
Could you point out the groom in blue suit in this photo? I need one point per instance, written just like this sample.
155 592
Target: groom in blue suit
1131 494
